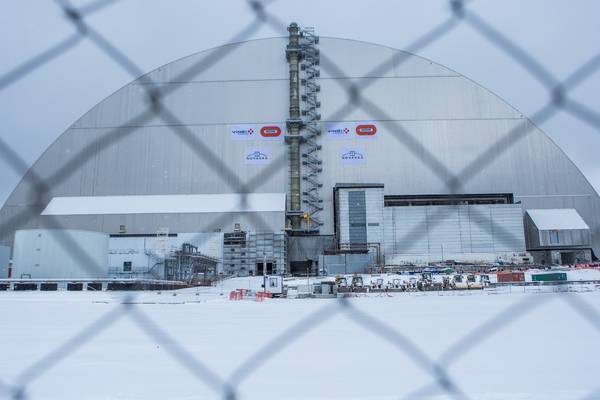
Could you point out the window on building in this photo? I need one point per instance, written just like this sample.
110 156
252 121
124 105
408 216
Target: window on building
127 267
122 229
553 235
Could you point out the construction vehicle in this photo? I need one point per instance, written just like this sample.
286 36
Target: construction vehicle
357 284
377 284
412 284
396 285
467 282
341 281
427 283
447 283
473 282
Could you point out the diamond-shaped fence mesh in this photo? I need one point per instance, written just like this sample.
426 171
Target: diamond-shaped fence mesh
227 387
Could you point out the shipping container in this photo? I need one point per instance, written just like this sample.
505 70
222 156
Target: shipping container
507 277
549 277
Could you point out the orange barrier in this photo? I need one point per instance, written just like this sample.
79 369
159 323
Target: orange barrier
236 295
260 296
240 294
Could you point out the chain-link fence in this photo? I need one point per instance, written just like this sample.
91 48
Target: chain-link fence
441 381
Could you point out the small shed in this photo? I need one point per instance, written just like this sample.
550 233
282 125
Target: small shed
556 228
557 236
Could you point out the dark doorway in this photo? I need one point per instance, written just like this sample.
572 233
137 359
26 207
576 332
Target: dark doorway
259 268
301 267
568 257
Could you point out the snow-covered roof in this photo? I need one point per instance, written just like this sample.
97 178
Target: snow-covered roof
557 219
166 204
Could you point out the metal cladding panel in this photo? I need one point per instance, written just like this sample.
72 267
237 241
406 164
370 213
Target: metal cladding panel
409 234
358 59
166 204
48 253
422 99
360 215
550 239
481 226
4 259
260 59
374 214
558 219
443 230
357 216
509 233
464 227
455 231
260 101
343 210
434 127
230 102
556 228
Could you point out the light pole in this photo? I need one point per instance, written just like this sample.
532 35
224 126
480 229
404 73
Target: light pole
264 271
442 253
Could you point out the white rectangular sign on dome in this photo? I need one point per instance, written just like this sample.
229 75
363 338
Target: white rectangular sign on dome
351 130
268 131
243 132
353 155
338 130
365 130
271 131
257 155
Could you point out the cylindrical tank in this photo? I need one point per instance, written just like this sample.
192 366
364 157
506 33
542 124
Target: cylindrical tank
60 253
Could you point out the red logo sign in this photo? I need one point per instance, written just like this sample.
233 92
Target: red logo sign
366 130
270 131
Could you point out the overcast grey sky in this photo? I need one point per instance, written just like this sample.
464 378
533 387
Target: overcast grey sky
561 35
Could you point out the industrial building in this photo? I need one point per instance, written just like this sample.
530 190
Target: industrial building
419 172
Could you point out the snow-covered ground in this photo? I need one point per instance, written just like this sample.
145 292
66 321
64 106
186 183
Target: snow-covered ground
549 353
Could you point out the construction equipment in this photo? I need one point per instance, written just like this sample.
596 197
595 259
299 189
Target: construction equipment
467 282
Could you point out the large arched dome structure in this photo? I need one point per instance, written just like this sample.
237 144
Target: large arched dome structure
438 133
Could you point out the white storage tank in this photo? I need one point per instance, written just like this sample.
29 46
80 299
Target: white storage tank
60 254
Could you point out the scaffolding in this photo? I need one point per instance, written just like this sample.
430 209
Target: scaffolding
248 253
190 266
312 130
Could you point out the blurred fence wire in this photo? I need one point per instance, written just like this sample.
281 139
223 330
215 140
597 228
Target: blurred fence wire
259 17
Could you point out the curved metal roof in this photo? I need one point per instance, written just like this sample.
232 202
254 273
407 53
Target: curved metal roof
438 133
